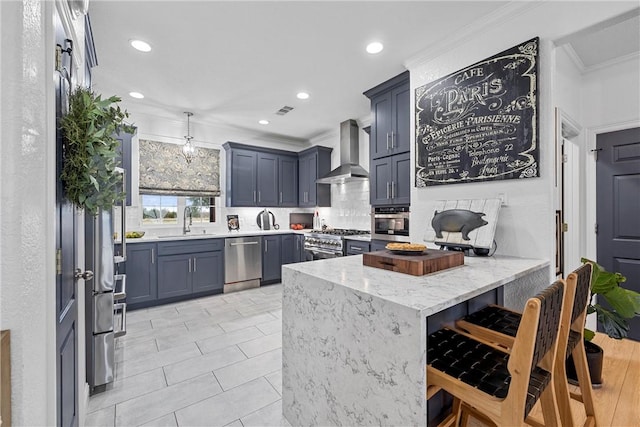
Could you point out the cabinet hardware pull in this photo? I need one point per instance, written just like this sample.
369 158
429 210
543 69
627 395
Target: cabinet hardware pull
254 196
266 246
195 264
259 197
189 265
393 189
388 141
388 189
281 197
393 137
153 256
356 248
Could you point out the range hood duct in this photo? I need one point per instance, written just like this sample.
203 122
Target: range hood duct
349 169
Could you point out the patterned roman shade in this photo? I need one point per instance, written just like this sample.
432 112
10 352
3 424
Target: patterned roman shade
163 170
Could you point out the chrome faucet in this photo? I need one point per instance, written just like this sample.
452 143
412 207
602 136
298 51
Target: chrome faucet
186 228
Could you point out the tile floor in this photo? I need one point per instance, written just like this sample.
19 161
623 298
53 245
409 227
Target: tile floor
212 361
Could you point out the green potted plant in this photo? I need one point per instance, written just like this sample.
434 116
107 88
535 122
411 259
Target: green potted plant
89 173
621 306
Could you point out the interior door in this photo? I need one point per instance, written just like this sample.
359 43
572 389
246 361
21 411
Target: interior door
66 231
618 208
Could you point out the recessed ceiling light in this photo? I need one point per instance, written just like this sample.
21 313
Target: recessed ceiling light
375 47
302 95
137 95
140 45
263 122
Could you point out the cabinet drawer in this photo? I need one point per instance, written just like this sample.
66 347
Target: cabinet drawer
356 247
190 246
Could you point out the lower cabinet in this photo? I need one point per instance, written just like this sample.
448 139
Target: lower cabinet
271 259
377 245
292 248
169 271
142 274
357 247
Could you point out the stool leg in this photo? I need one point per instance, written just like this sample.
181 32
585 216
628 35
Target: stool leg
562 393
549 405
584 380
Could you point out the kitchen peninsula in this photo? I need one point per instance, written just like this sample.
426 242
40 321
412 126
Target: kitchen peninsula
354 337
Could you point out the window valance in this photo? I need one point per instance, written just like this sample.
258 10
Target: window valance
163 170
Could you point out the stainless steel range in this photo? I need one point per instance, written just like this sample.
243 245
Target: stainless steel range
323 244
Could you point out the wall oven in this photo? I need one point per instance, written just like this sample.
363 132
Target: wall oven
390 223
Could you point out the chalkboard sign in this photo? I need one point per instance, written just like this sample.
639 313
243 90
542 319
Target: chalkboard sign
480 123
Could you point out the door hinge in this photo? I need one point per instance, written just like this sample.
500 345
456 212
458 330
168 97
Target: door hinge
595 228
58 261
565 227
565 158
595 152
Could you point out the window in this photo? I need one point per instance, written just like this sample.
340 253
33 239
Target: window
202 209
160 209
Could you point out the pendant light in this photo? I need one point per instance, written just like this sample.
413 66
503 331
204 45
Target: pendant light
188 150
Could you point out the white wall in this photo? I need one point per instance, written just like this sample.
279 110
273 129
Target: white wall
27 207
525 226
349 202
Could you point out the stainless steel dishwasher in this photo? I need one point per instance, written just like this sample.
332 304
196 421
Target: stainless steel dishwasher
243 263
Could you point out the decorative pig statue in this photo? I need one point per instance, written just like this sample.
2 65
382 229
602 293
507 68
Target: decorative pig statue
454 220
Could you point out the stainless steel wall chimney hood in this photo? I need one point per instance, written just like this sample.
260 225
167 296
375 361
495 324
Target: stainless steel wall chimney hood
349 169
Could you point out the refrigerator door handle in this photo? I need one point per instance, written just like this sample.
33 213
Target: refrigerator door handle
123 218
122 324
122 293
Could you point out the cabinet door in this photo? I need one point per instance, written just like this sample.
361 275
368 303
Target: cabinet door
380 181
377 245
381 112
308 175
271 258
243 178
298 255
142 275
401 179
288 181
174 275
207 271
267 183
288 246
400 126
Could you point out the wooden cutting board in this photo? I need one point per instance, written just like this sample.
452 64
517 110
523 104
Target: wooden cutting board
417 265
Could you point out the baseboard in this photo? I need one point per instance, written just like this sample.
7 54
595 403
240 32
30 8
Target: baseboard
83 405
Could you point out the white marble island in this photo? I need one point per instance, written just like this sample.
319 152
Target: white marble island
354 337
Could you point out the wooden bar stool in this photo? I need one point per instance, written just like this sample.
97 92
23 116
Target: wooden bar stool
498 325
496 385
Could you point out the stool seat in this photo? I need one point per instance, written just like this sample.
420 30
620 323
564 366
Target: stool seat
480 365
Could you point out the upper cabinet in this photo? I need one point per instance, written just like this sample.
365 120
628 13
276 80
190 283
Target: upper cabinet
390 114
260 177
314 163
390 142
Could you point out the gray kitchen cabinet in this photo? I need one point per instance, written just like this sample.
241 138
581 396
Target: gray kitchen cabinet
142 273
314 163
190 267
258 176
377 245
357 247
271 259
267 183
390 113
292 248
288 181
390 180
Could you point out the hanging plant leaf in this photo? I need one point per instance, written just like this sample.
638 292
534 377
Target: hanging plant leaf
90 158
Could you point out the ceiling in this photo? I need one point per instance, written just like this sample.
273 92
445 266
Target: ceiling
233 63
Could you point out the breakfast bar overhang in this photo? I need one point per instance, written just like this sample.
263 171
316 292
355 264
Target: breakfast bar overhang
354 337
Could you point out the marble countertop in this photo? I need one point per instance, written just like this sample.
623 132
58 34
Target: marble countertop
199 236
427 294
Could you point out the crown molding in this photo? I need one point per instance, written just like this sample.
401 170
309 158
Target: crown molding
610 63
470 32
574 57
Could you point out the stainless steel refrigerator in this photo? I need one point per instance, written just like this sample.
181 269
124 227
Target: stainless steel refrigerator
105 308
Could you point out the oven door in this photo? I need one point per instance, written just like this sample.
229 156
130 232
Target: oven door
313 254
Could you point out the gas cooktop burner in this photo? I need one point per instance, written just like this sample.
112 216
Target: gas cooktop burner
341 232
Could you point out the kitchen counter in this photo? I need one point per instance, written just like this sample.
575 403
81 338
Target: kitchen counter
354 337
361 238
196 236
